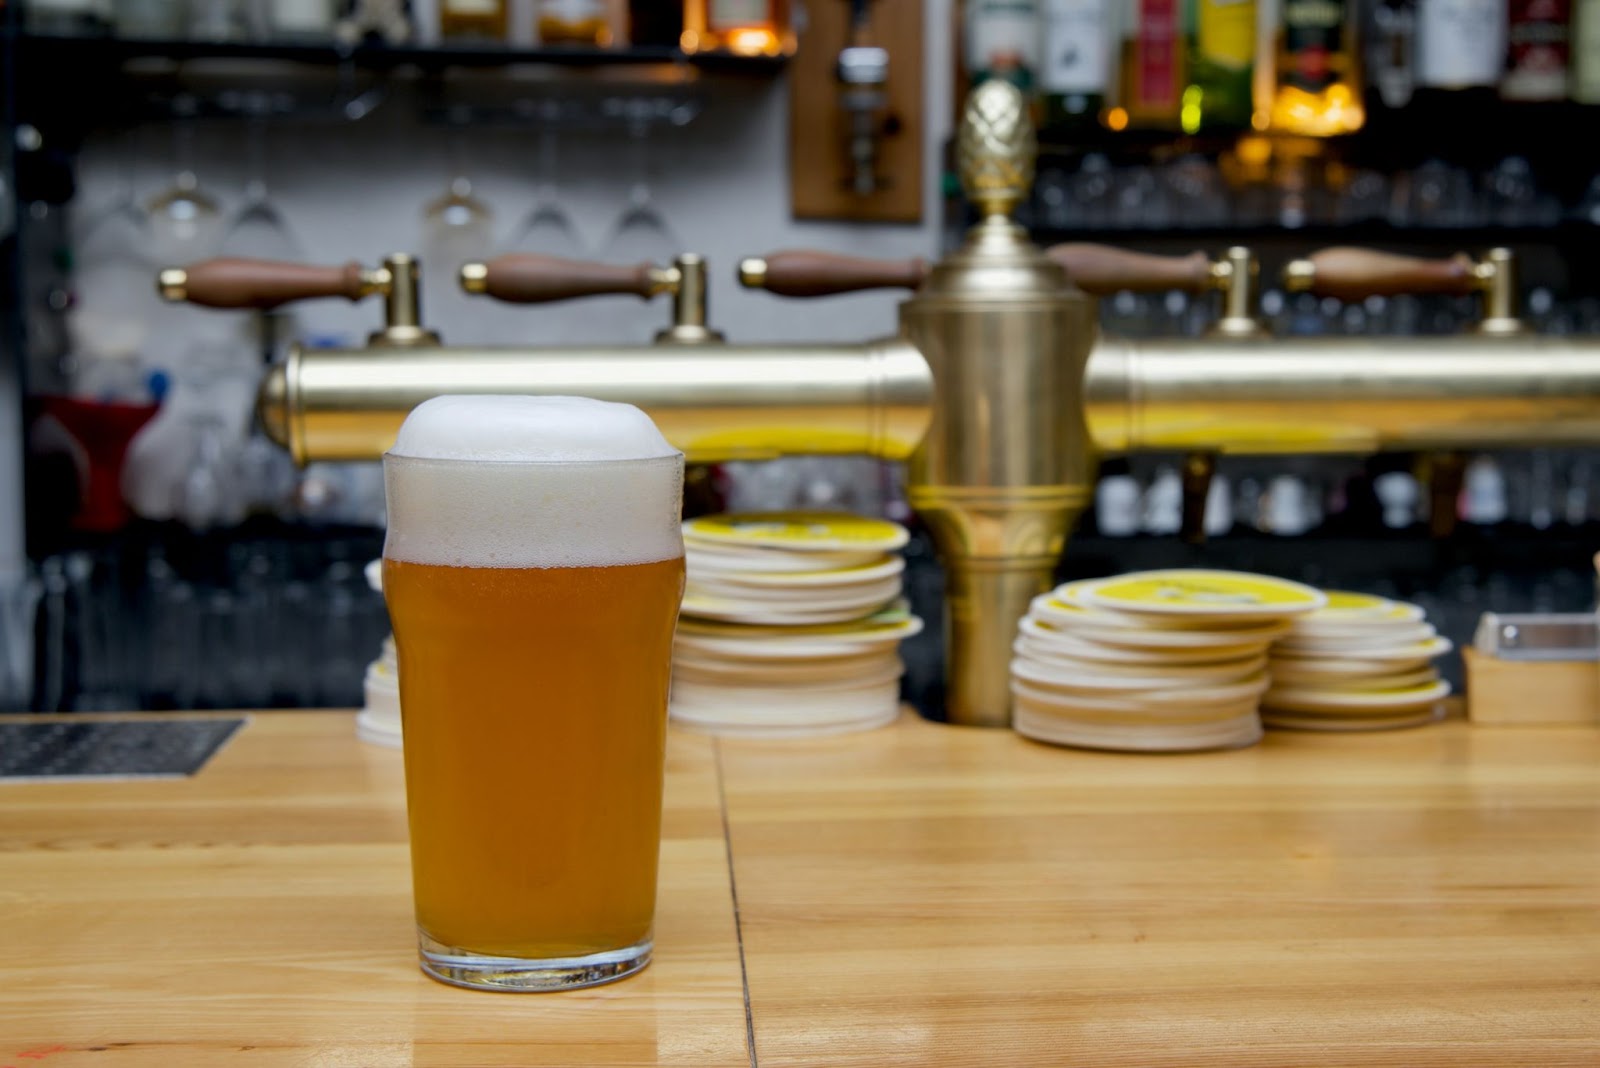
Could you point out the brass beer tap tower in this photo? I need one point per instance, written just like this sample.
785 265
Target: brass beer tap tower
996 390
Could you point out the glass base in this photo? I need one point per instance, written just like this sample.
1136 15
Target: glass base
474 971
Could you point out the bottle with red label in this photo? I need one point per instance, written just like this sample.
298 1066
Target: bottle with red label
1540 50
1151 75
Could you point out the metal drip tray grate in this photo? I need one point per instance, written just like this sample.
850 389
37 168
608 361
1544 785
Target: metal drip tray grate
117 749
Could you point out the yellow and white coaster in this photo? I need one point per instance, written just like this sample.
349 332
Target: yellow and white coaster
1355 702
796 532
1198 592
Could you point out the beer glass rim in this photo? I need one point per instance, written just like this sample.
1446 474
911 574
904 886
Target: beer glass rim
456 461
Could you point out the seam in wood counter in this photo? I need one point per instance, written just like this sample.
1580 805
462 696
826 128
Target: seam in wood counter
918 895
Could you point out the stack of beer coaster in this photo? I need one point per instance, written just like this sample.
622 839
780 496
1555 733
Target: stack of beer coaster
1156 660
1359 663
791 624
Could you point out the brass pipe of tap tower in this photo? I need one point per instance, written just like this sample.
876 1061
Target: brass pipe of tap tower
714 401
1343 394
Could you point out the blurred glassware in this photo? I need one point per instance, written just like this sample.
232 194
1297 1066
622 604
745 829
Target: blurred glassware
112 307
641 233
1364 198
258 230
1163 502
457 226
185 220
1440 195
1587 209
1512 196
1053 203
1197 194
301 20
19 600
229 20
1401 498
548 228
1139 201
1116 506
159 19
1089 194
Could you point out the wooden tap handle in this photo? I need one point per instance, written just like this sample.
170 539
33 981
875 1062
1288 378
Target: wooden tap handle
238 283
1357 273
1101 269
804 273
522 278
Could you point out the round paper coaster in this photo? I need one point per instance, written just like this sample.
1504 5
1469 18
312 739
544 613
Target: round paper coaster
869 597
1356 644
1118 629
1313 722
1043 686
1354 702
843 578
799 531
1419 652
1235 733
782 731
1198 592
1092 650
1388 681
1047 656
711 556
1106 678
1348 609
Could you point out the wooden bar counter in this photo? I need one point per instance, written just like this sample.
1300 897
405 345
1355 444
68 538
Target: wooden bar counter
917 895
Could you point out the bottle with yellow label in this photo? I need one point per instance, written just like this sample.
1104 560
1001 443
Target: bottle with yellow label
480 20
576 23
1222 48
746 27
1318 91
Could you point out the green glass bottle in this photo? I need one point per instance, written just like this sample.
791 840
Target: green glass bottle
1222 49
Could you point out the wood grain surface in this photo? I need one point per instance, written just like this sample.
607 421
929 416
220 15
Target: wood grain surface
260 914
918 895
959 896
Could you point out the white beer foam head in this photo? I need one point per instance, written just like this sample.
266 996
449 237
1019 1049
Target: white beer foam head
503 481
528 428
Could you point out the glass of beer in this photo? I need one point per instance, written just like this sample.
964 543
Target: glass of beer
533 569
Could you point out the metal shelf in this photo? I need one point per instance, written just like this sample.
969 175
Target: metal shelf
47 52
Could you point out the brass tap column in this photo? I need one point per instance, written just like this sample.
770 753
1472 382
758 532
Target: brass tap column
1006 466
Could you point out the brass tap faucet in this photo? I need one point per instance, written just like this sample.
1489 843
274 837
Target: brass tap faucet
997 390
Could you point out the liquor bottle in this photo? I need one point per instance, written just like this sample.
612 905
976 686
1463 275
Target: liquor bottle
1150 79
747 27
1391 52
1318 90
575 22
1586 52
1075 65
1221 61
479 20
651 22
1538 35
1461 45
1002 41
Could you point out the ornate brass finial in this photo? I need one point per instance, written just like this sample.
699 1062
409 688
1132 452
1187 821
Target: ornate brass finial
996 148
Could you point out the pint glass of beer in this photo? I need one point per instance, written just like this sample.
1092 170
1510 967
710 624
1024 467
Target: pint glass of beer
533 569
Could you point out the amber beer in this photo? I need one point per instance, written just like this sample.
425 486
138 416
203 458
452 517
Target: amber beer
533 570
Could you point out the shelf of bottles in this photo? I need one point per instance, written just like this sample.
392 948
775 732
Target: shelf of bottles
1420 122
717 35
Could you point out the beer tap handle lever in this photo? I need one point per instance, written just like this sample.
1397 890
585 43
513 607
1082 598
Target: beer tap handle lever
1358 273
806 273
521 278
1101 270
268 284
